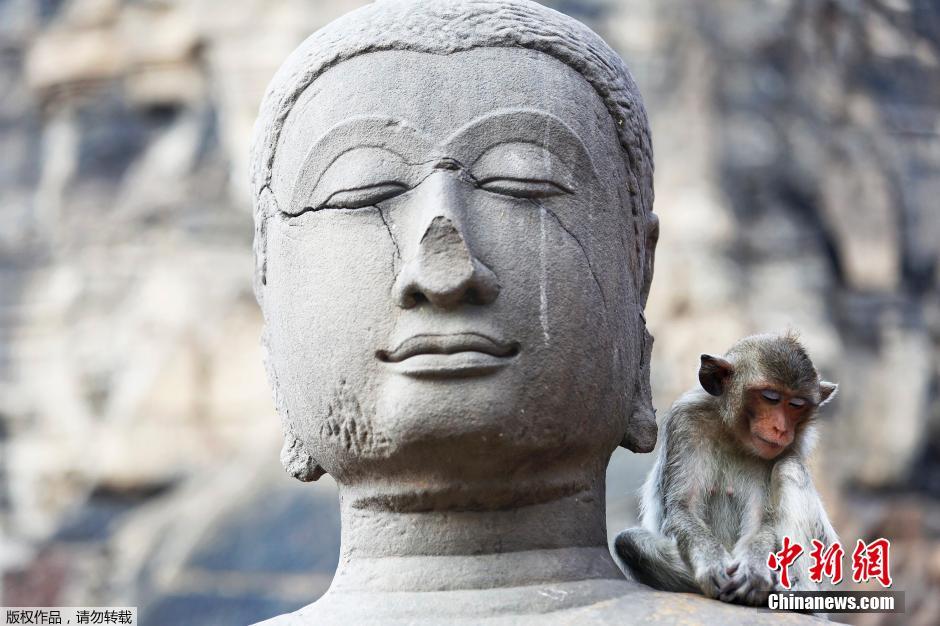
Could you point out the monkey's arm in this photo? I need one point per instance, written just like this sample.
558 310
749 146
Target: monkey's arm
707 559
802 517
752 580
761 540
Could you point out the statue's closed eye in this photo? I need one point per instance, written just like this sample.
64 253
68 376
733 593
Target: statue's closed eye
358 178
522 170
523 187
360 197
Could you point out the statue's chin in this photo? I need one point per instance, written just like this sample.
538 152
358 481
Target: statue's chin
422 466
508 435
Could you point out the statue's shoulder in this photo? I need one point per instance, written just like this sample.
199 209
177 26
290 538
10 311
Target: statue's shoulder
287 619
637 607
327 611
660 607
301 617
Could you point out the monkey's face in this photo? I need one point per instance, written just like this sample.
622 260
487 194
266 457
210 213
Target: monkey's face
774 415
770 391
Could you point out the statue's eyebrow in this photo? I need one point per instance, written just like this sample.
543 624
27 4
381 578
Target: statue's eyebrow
522 125
371 131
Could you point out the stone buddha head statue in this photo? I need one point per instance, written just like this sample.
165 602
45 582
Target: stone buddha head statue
454 244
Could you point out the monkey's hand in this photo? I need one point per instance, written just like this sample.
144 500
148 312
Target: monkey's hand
749 582
712 576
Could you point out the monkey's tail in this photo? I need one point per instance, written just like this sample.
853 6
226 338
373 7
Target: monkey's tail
654 560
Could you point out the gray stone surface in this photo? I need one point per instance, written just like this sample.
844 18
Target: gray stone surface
454 244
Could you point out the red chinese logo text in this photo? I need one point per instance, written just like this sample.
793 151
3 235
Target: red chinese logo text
826 562
871 561
868 561
782 560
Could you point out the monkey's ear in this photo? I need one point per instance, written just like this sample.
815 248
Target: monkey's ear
714 374
827 391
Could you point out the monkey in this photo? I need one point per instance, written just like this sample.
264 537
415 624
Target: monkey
730 479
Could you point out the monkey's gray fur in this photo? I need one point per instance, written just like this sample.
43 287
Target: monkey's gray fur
712 510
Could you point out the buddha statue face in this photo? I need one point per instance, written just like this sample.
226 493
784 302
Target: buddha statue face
452 290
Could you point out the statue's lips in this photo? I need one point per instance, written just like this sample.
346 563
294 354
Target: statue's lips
448 344
461 354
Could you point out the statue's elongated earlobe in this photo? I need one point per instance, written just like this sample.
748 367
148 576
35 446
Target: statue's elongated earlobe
649 259
297 461
641 428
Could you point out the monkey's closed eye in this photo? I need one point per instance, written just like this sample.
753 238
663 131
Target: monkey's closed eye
798 403
523 188
770 396
364 196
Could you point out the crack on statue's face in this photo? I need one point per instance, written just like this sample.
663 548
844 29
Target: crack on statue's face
413 213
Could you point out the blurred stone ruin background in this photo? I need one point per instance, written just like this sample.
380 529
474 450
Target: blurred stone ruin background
798 182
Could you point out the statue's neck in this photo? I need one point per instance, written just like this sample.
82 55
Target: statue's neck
560 540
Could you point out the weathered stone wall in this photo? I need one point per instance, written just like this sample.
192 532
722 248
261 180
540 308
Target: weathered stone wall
798 169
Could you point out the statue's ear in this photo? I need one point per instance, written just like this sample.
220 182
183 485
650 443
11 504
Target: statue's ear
297 461
827 391
641 427
652 238
266 207
714 374
295 457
